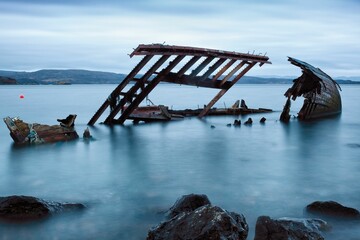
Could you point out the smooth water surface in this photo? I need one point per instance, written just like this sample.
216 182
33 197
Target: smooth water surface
130 175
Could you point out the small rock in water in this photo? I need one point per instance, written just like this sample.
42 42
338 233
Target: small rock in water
332 209
212 126
289 228
237 123
86 133
193 217
188 203
262 120
228 125
249 121
23 208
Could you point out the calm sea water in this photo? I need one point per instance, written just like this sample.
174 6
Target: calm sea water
129 175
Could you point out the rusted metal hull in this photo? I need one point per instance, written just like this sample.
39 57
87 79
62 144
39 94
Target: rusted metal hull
24 133
321 93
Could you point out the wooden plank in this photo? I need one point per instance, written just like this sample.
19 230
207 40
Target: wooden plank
149 87
223 91
216 77
132 91
119 88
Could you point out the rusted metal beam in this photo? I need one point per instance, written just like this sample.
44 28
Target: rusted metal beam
119 88
149 87
188 65
232 72
221 72
223 91
132 91
201 66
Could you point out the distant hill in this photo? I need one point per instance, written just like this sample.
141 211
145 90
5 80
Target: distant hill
96 77
64 77
7 81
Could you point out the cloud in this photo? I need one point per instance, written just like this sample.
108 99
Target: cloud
99 34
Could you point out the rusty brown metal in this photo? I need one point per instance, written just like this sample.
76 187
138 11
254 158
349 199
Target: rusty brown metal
145 84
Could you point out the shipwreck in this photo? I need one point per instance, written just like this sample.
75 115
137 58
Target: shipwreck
321 93
34 133
200 67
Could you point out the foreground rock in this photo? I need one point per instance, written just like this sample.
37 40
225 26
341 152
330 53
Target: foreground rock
193 217
207 222
332 209
29 208
188 203
289 228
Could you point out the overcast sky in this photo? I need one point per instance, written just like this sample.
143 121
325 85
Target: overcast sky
98 35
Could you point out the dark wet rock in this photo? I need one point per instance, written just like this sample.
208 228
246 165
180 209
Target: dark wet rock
212 126
207 222
188 203
228 125
28 208
289 228
237 123
243 104
249 121
354 145
87 133
332 209
262 120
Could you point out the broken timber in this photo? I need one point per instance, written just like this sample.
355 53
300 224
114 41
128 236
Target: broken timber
168 58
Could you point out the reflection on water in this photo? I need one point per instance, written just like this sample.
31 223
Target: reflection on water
129 175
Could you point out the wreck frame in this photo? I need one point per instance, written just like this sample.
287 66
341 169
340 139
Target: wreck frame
321 93
229 67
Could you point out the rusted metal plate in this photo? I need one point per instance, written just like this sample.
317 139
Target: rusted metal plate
321 93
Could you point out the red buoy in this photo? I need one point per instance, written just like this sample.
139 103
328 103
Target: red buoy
22 96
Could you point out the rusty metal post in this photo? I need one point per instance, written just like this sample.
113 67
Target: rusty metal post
223 91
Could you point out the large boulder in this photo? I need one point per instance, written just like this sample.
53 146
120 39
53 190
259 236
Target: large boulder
332 209
188 203
28 208
289 228
207 222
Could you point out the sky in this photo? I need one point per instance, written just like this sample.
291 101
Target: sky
99 35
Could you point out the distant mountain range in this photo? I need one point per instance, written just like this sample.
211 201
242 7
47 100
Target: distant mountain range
63 77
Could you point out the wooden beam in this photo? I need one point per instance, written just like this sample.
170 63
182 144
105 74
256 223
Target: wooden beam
149 87
237 68
119 88
231 62
201 66
188 65
213 68
223 91
132 91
